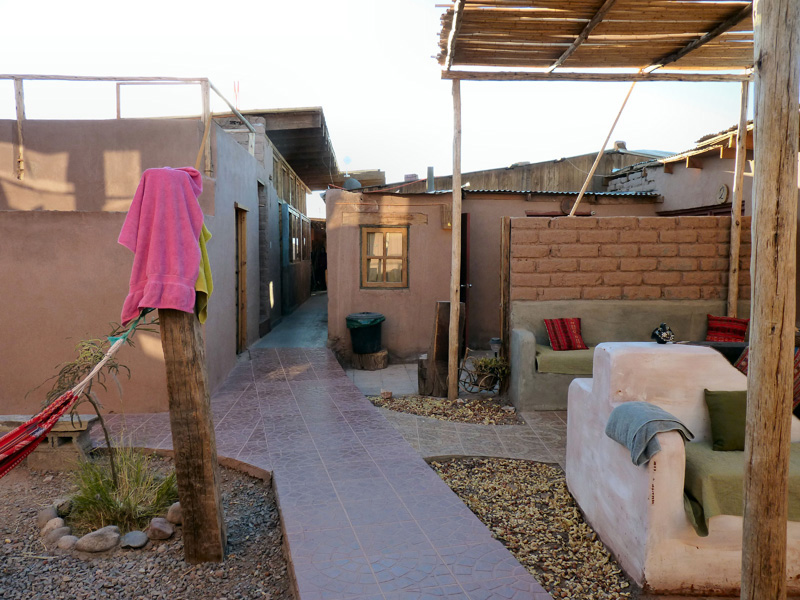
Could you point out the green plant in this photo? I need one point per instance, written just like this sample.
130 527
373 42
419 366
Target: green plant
142 492
90 353
496 366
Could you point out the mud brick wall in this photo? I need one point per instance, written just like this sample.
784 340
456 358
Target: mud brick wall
625 258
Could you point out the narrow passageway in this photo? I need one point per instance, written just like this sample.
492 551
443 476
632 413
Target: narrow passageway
306 327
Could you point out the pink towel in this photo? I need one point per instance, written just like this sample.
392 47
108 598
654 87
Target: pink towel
162 230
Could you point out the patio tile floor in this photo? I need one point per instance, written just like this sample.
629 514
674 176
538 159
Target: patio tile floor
364 516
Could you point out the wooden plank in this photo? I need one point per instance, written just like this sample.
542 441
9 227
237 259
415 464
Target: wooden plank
693 162
736 205
593 22
770 378
455 25
19 100
455 247
542 76
241 279
727 24
204 532
376 218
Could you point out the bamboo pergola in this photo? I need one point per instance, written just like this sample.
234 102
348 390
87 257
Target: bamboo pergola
677 40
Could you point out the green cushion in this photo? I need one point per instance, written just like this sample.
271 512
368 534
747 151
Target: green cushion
568 362
727 412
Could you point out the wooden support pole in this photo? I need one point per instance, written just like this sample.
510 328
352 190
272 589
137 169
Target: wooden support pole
204 531
736 206
118 87
205 91
600 154
455 245
505 294
19 98
767 438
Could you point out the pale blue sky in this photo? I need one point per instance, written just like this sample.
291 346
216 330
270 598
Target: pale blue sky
368 63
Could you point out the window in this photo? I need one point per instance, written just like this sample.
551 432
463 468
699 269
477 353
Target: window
384 257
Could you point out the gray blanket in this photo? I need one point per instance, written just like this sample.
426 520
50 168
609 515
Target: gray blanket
635 425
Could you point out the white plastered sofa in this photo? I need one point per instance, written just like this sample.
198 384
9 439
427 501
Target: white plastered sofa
638 512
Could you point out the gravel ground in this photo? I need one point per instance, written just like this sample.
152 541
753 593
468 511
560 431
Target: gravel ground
529 509
483 411
254 568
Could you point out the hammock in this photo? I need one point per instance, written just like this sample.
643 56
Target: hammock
20 442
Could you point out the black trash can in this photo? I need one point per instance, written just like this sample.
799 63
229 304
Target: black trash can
365 331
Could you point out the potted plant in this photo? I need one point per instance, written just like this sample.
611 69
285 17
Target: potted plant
489 371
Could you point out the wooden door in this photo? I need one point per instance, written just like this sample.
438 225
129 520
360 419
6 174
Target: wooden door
241 279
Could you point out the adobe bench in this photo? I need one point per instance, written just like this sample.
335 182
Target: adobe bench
540 377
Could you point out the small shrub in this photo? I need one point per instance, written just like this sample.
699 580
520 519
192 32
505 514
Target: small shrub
143 492
491 366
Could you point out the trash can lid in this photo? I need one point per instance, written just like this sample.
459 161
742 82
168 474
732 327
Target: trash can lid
363 319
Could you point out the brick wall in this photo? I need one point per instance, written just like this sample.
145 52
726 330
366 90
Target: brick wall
625 258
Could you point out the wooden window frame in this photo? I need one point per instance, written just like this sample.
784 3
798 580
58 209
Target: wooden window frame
367 229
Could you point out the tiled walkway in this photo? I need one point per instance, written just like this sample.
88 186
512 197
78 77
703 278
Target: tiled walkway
365 518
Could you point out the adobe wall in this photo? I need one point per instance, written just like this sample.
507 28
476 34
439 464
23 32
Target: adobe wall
625 258
65 276
409 311
486 213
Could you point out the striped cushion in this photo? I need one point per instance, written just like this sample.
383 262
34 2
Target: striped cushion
743 362
726 329
565 334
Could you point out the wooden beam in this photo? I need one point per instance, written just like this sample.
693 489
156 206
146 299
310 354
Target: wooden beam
19 99
692 162
727 24
458 14
118 93
600 154
455 249
774 230
736 205
593 22
103 78
543 76
505 294
204 533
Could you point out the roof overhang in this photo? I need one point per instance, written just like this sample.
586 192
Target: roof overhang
597 40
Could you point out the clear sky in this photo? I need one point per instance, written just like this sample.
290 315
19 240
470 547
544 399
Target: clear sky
368 63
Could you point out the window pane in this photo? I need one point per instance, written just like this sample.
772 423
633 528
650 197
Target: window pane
394 270
394 244
374 271
374 244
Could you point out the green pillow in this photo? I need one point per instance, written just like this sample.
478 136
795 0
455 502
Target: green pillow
727 411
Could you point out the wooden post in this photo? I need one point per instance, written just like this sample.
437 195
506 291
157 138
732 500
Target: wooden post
19 97
204 531
736 208
505 294
455 245
767 439
205 91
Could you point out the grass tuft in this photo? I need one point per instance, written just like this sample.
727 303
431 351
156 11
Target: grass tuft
143 492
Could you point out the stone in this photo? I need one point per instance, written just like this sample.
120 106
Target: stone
67 542
51 525
45 515
134 539
159 529
386 394
175 514
99 541
63 506
56 534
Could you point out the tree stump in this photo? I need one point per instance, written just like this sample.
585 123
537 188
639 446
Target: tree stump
371 362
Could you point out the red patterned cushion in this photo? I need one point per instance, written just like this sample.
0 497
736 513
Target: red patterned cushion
744 361
726 329
565 334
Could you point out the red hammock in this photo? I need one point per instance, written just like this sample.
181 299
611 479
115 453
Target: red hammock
17 444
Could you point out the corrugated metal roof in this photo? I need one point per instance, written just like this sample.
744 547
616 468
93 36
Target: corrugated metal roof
550 193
